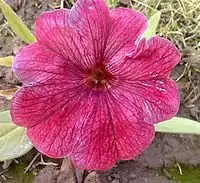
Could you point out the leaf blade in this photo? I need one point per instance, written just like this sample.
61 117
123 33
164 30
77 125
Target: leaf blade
179 125
5 117
16 24
153 24
6 61
13 139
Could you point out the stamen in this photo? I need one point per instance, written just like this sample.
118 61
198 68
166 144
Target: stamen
97 77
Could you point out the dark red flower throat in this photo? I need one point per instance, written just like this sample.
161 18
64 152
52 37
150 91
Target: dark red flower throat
98 77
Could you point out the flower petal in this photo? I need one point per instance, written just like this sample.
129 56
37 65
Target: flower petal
108 132
36 63
89 18
154 58
143 83
53 31
50 112
35 104
99 150
151 101
126 27
54 136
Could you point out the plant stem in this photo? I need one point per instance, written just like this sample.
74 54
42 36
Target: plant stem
68 173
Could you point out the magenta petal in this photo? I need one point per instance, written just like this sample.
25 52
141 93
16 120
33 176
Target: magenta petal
150 101
36 63
35 104
53 31
143 82
49 111
54 135
126 27
158 57
89 18
108 132
154 58
103 144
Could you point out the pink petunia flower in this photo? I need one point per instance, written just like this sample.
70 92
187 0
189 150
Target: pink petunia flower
93 88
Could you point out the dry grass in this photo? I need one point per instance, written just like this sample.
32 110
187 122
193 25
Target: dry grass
180 19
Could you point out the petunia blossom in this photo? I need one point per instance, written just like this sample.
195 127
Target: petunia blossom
93 87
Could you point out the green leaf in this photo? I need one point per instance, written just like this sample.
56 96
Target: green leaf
153 24
112 3
18 27
6 61
5 117
179 125
13 139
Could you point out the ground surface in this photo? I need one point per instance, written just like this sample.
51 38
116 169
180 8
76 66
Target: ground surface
164 161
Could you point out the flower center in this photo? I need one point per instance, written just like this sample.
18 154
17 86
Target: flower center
98 77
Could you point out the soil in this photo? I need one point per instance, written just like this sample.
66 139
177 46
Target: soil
167 152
